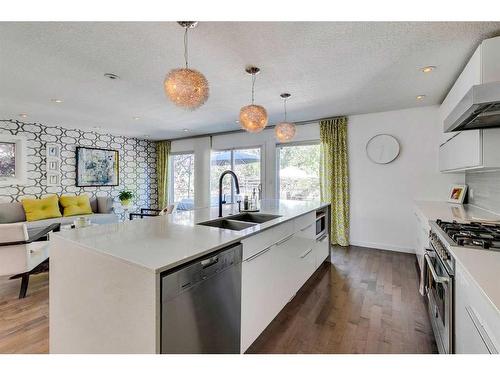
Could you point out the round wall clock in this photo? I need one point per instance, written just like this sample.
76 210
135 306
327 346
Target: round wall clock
382 148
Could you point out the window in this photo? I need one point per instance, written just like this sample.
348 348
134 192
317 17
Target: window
245 163
182 181
299 171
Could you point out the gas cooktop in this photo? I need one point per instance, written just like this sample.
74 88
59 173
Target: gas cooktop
474 234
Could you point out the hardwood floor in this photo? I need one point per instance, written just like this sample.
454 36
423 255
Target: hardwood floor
367 301
24 323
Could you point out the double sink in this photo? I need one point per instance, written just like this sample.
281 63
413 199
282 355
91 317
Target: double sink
239 221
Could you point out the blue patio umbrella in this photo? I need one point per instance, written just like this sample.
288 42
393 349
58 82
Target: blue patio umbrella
240 157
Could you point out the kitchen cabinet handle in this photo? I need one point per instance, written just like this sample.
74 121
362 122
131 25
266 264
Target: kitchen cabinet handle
322 238
306 253
259 254
437 279
481 330
306 228
284 240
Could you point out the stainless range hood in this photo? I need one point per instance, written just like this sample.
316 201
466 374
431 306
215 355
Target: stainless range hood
478 109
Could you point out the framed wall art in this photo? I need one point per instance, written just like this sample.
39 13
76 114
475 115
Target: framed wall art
12 160
52 150
96 167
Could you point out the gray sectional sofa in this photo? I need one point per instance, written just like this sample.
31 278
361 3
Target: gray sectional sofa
102 208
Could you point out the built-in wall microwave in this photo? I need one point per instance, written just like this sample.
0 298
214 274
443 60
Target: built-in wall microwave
321 223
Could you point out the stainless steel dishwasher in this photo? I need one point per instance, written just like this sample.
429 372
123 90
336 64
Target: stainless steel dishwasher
201 305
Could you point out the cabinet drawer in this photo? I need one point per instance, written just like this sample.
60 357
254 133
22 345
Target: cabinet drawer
252 245
476 318
304 221
322 250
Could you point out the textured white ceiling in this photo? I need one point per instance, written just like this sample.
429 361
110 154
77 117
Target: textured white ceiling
331 68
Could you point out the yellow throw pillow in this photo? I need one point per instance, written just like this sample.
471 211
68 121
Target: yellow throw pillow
39 209
75 205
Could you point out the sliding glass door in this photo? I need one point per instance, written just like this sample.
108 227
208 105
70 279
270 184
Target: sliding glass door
298 171
246 163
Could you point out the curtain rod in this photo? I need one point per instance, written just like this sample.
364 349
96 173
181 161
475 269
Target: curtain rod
298 123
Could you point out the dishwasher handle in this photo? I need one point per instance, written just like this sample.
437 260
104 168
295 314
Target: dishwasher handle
209 262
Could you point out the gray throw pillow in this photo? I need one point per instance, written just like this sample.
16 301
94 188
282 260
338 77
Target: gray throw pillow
12 213
104 205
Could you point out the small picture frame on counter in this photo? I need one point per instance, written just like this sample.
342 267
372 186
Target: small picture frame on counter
457 194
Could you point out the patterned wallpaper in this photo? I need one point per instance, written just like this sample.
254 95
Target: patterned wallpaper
137 163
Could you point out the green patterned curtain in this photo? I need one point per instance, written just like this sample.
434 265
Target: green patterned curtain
162 154
334 176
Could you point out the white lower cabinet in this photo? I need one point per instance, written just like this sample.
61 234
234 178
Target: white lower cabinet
322 250
259 304
271 276
477 323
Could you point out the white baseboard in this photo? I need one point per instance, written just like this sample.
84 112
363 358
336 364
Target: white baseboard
383 246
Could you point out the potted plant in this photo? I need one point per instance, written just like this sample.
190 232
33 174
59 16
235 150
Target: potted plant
125 197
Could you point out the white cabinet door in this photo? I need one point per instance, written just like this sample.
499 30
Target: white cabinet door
477 322
468 340
286 270
322 250
306 238
461 152
259 304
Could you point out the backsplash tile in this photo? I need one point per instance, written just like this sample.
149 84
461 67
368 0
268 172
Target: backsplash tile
137 163
484 189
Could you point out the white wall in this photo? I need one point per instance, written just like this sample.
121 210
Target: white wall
382 195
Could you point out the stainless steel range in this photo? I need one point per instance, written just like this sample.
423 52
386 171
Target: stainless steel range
440 270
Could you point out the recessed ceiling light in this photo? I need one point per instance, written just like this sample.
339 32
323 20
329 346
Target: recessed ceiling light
56 100
111 76
185 130
23 115
428 69
136 118
237 121
420 97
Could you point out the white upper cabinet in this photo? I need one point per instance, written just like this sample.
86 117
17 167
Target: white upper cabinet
471 149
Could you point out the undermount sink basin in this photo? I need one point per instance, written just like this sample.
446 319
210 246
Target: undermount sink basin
253 217
227 224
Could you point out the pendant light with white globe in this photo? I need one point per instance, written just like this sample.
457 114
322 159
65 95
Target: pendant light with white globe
185 87
285 130
253 117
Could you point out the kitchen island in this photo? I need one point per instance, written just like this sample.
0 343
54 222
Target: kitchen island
105 282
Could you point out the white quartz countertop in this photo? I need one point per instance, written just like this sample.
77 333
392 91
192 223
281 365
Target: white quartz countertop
482 266
164 242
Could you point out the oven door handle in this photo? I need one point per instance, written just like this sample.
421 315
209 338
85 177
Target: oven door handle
437 279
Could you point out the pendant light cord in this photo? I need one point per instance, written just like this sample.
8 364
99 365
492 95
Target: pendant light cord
186 46
284 104
253 87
